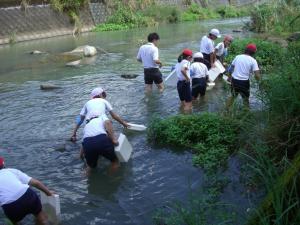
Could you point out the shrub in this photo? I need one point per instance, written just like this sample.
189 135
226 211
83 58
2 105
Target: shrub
211 137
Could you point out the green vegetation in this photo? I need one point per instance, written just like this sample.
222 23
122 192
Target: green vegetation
276 16
268 54
211 137
145 14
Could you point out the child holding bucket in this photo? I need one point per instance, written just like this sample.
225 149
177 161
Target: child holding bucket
199 74
183 74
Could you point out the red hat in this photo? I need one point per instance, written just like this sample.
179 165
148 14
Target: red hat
251 47
187 52
1 162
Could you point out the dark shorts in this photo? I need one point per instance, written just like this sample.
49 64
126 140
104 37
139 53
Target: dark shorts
198 87
240 87
206 60
184 91
96 146
28 203
152 75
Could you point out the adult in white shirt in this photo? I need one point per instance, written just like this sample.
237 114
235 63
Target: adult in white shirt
17 199
199 74
221 50
207 47
97 143
243 66
96 107
184 79
148 55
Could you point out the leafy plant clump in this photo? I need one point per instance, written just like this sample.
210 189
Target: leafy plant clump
211 137
268 54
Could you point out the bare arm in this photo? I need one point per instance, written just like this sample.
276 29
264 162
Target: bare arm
184 72
118 118
158 62
212 59
73 137
39 185
257 75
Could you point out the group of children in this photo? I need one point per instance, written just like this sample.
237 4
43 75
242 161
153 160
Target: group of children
193 77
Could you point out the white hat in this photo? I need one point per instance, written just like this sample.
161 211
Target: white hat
97 91
198 55
215 32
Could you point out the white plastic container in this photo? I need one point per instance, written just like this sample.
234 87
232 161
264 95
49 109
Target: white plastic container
171 79
210 85
51 206
225 78
136 127
214 72
124 149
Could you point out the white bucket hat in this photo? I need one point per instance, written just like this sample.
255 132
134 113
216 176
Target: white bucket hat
97 91
198 55
215 32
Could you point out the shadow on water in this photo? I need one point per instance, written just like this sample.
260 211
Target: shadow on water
36 124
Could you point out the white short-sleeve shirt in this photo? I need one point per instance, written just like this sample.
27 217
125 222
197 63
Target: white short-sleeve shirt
207 45
95 127
180 66
13 185
220 49
95 107
148 53
199 70
244 66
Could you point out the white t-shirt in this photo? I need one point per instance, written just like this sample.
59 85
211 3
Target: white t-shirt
95 107
148 53
95 127
199 70
13 184
207 45
220 49
180 66
244 65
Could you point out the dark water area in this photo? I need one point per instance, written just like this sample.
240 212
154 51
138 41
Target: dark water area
36 124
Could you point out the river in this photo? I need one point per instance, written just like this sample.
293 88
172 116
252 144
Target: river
36 124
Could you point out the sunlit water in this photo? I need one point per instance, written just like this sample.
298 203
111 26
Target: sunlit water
36 124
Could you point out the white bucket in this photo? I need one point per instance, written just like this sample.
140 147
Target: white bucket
136 127
124 149
51 206
210 85
214 72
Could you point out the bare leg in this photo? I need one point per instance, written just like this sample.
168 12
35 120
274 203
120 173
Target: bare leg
187 106
230 101
81 153
246 103
160 87
110 132
148 88
114 166
41 219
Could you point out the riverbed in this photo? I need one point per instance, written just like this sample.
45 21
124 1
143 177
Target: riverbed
36 124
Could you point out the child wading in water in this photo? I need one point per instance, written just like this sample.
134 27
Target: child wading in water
199 74
221 50
184 80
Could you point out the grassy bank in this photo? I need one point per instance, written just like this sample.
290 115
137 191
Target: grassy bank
126 16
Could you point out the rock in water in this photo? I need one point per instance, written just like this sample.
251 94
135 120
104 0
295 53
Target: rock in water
129 76
36 52
74 63
48 87
89 51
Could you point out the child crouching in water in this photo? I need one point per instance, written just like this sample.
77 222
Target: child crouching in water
184 80
199 74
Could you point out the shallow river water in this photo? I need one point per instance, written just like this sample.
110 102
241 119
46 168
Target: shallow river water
36 124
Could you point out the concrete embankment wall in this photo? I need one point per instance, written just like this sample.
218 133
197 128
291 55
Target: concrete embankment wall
41 21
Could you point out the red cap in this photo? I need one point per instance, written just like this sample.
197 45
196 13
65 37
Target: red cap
251 47
187 52
1 162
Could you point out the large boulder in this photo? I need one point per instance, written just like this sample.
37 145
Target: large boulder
89 51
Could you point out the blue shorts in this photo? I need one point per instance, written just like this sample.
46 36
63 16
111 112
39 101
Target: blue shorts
28 203
198 87
96 146
184 91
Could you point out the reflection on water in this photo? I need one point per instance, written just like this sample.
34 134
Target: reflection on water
36 124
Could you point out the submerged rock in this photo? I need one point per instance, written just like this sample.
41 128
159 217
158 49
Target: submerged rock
48 87
74 63
129 76
237 30
36 52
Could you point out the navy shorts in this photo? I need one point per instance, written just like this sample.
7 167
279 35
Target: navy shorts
198 87
206 60
28 203
152 75
241 87
96 146
184 91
